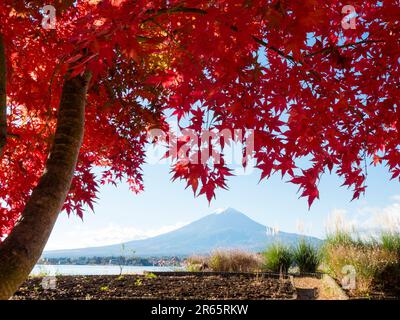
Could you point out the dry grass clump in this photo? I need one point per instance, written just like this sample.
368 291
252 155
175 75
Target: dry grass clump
196 263
225 261
375 261
368 261
234 261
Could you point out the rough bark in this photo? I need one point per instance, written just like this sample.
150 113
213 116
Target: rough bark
23 247
3 96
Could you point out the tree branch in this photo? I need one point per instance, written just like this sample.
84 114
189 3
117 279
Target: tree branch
322 51
3 95
348 45
22 248
278 51
160 12
259 41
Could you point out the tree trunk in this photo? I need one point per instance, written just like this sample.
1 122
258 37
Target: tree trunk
22 248
3 96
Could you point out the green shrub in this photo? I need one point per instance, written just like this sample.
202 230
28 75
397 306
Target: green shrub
277 258
341 238
138 282
150 275
391 242
307 257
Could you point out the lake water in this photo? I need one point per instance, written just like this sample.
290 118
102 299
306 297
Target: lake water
94 269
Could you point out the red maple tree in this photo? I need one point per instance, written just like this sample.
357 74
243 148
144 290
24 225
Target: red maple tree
317 95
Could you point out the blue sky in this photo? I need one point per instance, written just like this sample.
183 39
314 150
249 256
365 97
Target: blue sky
121 215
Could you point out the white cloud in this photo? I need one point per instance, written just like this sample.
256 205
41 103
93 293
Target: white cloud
396 198
367 218
83 236
387 218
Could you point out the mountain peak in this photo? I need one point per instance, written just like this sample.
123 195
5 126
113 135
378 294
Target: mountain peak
224 229
228 211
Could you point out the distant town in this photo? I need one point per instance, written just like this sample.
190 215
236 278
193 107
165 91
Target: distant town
115 260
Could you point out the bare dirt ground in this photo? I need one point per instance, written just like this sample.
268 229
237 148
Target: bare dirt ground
322 291
158 287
